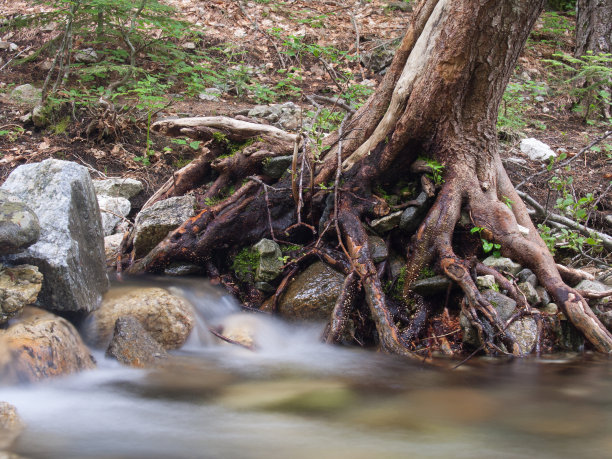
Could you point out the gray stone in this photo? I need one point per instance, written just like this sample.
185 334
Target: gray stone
485 282
39 116
502 264
312 294
275 167
27 94
523 330
19 287
543 294
608 219
536 150
270 260
153 224
4 45
378 249
111 246
592 286
86 56
378 59
530 293
70 251
396 265
133 346
550 308
284 115
431 286
412 216
387 223
189 45
525 333
211 94
118 187
111 210
265 287
527 275
19 227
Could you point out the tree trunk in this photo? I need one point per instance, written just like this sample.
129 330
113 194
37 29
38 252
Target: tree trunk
439 100
593 26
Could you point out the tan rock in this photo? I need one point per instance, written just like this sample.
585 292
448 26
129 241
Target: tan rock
40 345
19 286
11 425
133 346
168 318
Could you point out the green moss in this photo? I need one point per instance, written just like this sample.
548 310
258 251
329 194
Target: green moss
245 263
426 273
61 126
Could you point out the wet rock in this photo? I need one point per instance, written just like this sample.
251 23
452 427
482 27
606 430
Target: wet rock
527 275
154 223
118 187
502 264
42 345
412 216
245 329
70 251
211 94
396 265
275 167
431 286
133 346
86 56
167 318
592 286
523 330
11 425
19 287
550 308
112 244
387 223
531 295
485 282
568 338
378 249
312 294
111 210
543 294
19 227
536 150
27 94
270 260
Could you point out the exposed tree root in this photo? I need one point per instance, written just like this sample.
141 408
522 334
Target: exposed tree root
435 100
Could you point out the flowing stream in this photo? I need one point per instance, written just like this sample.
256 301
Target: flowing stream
297 398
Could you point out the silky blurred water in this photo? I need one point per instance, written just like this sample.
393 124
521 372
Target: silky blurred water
295 397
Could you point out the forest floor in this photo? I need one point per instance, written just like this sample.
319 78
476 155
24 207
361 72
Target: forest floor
267 51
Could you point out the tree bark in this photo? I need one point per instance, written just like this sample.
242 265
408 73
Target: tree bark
593 26
438 100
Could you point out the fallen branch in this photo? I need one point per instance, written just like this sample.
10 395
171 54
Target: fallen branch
606 240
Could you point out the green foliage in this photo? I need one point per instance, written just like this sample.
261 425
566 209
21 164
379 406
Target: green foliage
193 144
396 289
436 170
487 247
11 132
562 5
245 264
426 273
512 118
587 78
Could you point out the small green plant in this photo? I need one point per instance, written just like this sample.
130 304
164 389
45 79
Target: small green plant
193 144
512 118
149 97
507 201
487 247
436 169
11 132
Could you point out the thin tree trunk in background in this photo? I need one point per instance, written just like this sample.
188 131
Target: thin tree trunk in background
593 26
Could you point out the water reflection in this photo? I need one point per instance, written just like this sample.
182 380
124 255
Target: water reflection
295 397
